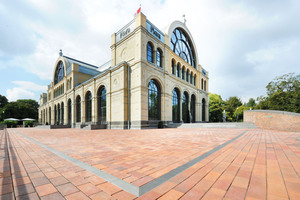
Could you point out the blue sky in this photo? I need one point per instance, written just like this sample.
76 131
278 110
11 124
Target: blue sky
243 44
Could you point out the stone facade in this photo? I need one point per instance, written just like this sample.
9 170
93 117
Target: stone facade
73 98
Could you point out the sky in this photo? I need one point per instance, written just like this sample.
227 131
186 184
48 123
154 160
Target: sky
242 44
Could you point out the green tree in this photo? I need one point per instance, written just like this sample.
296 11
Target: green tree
216 107
21 109
3 101
251 103
230 106
283 93
238 114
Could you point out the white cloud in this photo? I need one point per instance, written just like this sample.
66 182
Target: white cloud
19 93
24 90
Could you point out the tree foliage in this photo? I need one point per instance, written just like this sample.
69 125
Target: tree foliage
3 101
216 106
230 106
20 109
283 93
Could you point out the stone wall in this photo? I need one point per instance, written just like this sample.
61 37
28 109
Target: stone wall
272 119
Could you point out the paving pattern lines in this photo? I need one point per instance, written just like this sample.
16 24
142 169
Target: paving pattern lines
136 156
182 183
288 163
49 173
20 186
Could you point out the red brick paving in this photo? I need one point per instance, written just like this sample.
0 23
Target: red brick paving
259 165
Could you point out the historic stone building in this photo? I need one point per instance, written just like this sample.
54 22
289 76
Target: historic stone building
152 79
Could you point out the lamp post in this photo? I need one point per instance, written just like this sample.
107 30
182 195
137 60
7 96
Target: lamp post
3 115
237 114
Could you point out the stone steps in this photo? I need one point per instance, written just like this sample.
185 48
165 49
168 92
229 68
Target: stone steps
218 125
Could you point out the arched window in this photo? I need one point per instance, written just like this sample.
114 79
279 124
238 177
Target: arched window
58 114
62 113
49 115
101 96
203 109
182 46
55 114
202 83
149 52
193 109
88 106
194 80
185 108
191 78
182 73
173 67
176 105
187 75
159 58
59 73
205 85
153 100
178 70
78 109
69 111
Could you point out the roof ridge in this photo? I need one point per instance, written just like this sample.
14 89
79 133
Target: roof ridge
81 61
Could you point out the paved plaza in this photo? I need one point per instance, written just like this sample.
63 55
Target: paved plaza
198 163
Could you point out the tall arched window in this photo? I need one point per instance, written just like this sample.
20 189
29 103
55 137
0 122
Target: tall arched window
101 96
69 111
191 78
182 46
178 70
173 67
78 109
88 106
149 52
59 73
55 114
182 73
153 100
193 109
203 109
176 105
49 115
58 114
187 75
159 58
185 108
194 79
205 85
62 113
202 83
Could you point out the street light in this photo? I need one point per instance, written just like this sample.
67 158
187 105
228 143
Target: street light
237 114
3 115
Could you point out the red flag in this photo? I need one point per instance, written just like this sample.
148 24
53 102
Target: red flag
138 11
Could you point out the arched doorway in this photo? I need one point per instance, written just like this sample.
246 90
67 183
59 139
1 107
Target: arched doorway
101 97
185 108
69 111
193 109
78 109
203 110
176 105
154 93
58 114
62 112
88 107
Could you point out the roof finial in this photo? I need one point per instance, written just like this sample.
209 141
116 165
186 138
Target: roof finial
60 52
184 20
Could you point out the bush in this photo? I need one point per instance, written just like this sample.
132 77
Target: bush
10 123
160 124
28 123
